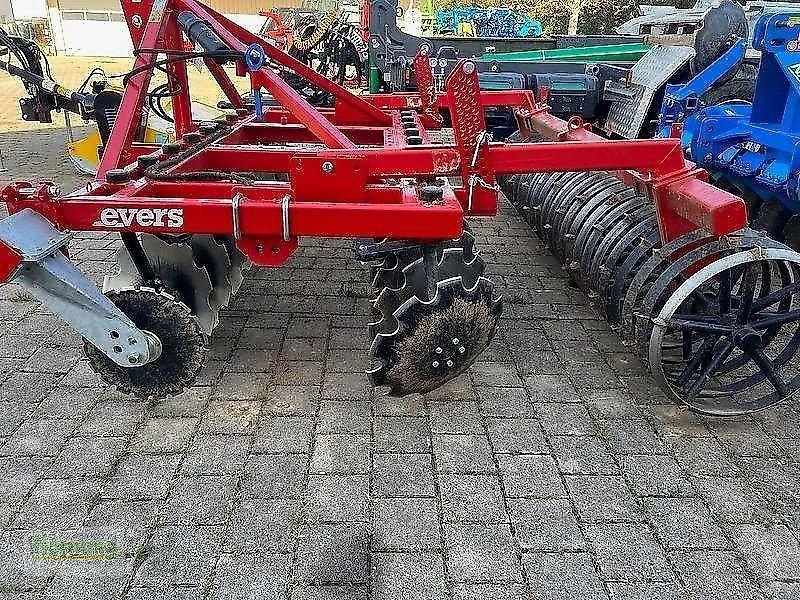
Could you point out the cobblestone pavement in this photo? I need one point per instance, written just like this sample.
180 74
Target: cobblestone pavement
553 470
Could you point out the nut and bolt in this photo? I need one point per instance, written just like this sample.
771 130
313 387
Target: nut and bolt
327 167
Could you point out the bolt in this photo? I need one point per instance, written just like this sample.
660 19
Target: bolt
134 358
327 167
462 350
449 363
435 364
469 67
455 341
439 350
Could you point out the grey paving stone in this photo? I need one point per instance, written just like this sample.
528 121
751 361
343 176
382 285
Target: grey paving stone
516 435
216 454
141 477
346 386
628 552
563 576
57 504
772 552
489 591
405 524
87 457
401 434
179 555
564 419
163 435
67 403
291 400
505 402
338 498
703 456
274 476
405 576
684 523
602 498
408 406
583 455
458 389
479 552
333 553
650 590
330 592
402 475
472 498
39 437
128 521
12 414
612 404
262 526
113 417
628 436
746 438
250 577
88 579
546 525
203 500
781 590
231 417
733 499
341 453
339 416
463 454
531 475
19 570
284 434
455 417
677 421
655 475
28 387
714 573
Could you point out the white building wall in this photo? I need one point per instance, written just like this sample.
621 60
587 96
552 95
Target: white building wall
29 9
83 37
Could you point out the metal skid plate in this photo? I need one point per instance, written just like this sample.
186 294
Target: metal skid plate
626 117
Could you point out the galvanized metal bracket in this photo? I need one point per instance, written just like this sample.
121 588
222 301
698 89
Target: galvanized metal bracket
46 273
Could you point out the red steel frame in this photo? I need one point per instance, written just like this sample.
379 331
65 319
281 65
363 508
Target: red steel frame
349 170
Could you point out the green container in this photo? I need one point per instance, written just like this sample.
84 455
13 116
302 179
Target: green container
608 53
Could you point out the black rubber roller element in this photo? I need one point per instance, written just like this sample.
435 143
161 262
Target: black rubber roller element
117 176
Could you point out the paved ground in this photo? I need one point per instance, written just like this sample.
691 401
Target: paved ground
553 470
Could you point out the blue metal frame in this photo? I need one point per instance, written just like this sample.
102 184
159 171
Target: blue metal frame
757 146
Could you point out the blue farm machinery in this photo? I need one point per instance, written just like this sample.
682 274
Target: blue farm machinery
750 147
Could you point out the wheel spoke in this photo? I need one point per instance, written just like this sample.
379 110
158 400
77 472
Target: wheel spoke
725 292
708 370
705 327
762 321
687 343
775 297
694 363
748 291
765 364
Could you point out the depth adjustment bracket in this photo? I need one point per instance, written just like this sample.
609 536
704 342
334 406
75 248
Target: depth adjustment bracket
45 272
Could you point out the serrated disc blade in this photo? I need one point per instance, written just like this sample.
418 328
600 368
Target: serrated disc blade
213 255
127 275
174 264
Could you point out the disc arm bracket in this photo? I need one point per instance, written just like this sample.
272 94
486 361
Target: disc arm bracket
48 275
